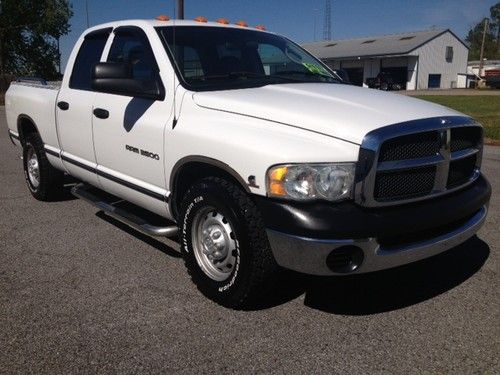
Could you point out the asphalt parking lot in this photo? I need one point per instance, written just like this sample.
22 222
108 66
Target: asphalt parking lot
82 293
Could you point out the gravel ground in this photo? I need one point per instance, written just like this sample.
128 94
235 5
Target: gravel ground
80 293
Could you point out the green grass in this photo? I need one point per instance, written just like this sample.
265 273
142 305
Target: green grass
485 109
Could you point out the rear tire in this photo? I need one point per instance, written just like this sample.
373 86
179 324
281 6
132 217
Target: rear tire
224 244
44 182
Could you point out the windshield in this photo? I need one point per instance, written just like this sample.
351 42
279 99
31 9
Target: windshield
221 58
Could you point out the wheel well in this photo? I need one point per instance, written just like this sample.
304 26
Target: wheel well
188 174
25 126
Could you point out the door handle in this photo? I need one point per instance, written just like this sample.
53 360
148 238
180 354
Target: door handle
101 113
64 106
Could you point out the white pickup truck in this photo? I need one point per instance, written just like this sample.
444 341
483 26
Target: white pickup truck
253 153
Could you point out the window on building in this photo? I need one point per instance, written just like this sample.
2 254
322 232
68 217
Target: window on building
434 81
89 54
449 54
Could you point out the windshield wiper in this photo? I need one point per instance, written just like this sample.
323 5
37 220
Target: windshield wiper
240 74
306 73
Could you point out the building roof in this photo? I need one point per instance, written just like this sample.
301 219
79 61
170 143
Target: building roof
397 44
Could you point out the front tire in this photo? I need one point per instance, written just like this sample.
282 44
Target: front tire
224 244
44 181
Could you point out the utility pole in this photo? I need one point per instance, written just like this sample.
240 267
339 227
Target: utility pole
482 47
180 9
315 10
327 27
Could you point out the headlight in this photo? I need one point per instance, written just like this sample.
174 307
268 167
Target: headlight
311 181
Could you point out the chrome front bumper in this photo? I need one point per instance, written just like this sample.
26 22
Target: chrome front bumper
309 256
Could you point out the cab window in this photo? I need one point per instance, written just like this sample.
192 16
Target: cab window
134 49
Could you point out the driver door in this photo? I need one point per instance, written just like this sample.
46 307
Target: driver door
129 132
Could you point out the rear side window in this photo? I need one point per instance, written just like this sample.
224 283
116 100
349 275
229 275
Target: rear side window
89 54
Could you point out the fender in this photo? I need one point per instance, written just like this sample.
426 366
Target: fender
20 119
205 160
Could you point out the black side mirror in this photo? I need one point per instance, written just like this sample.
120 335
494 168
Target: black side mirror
117 78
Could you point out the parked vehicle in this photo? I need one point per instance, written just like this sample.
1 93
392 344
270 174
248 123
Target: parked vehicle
492 78
252 153
384 81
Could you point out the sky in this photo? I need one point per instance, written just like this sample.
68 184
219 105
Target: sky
295 19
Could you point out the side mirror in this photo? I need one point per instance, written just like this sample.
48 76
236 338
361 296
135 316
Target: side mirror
117 78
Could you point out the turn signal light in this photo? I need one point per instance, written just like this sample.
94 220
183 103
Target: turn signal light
163 17
223 21
260 27
276 181
201 19
242 23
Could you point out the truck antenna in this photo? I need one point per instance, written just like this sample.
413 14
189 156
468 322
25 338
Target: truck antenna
174 53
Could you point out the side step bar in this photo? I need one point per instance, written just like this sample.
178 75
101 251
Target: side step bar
83 192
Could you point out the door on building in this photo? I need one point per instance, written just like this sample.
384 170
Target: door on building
355 75
434 81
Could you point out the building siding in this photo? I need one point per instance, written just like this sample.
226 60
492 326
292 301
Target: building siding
432 60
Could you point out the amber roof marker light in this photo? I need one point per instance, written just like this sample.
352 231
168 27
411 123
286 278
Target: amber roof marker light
260 27
242 23
163 17
223 21
201 19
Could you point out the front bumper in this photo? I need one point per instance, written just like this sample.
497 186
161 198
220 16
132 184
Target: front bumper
390 237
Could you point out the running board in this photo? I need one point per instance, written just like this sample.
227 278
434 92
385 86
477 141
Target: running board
84 192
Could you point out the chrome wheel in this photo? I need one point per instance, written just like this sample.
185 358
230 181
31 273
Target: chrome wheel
214 243
32 167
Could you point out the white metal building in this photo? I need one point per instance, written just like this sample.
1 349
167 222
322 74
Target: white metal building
419 60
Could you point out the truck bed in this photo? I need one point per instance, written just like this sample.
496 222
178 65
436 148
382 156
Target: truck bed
37 102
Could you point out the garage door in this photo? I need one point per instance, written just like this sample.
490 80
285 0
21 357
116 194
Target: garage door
399 74
355 75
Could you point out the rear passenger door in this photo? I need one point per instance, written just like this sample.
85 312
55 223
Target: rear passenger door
129 142
74 108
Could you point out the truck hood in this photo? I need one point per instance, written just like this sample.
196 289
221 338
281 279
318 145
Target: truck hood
340 111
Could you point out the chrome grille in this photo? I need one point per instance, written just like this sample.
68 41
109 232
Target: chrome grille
410 147
460 171
402 184
418 160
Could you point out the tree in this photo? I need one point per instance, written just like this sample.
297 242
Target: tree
29 33
492 40
495 19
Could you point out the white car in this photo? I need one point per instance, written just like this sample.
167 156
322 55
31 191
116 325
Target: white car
251 151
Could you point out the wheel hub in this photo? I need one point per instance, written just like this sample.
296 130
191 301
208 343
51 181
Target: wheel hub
33 168
214 244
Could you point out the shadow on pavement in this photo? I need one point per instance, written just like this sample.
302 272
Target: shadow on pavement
399 287
66 195
382 291
362 294
158 245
